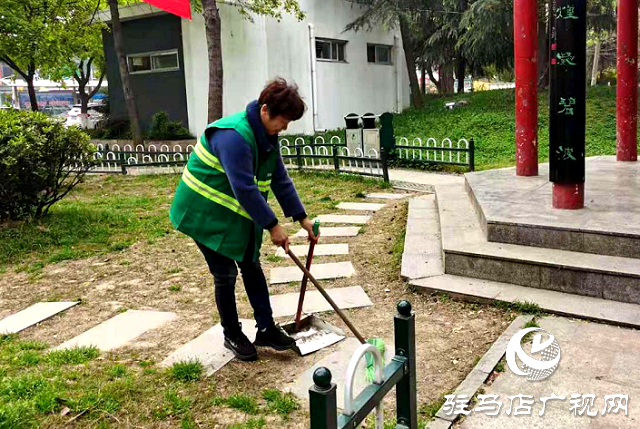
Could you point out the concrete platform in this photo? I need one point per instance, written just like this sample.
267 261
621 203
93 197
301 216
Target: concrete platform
208 348
422 256
595 359
345 297
32 315
518 210
468 253
332 270
333 231
119 330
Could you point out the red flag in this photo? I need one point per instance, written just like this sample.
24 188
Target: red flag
181 8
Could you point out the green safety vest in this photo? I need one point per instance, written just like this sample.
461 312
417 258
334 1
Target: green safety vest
204 206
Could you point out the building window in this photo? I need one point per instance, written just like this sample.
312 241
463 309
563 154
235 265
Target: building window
153 62
330 50
379 54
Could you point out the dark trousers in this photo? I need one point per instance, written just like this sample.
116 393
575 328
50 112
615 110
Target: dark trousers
224 276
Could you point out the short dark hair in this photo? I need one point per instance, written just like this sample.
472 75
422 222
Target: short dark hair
282 99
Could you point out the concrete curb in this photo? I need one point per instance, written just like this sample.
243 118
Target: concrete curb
476 378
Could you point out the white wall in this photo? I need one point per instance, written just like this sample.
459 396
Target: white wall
254 53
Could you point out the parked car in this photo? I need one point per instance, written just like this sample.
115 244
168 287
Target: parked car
93 116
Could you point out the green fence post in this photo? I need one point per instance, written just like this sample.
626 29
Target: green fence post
472 156
298 155
405 337
322 401
336 161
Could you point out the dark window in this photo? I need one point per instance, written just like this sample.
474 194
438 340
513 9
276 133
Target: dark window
379 54
153 62
330 50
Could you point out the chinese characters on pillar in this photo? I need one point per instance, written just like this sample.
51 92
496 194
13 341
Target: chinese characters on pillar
517 405
567 72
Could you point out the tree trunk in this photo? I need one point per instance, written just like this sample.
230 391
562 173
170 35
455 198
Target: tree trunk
596 60
446 78
424 77
124 73
214 48
461 67
432 78
410 58
32 94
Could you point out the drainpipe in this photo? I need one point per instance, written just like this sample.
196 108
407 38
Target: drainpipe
314 77
396 49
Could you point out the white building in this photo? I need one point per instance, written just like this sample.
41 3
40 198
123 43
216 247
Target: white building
338 72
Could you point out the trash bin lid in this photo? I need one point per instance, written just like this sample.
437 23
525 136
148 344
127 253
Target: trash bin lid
351 115
369 116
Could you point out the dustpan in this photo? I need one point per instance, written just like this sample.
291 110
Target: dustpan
313 334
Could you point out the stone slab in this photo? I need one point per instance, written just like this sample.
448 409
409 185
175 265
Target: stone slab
471 289
345 297
337 362
438 423
370 207
301 251
387 196
518 210
422 255
119 330
208 348
332 270
32 315
348 219
333 231
595 358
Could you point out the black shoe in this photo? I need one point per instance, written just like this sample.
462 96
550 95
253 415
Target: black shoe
241 347
275 338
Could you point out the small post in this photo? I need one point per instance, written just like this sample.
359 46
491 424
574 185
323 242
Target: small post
123 167
471 156
298 155
385 164
405 337
336 161
322 401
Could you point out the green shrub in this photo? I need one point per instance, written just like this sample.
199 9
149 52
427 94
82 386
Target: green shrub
40 162
164 129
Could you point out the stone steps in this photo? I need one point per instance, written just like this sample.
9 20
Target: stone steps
565 304
468 253
32 315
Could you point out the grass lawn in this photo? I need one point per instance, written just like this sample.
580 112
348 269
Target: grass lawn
110 213
490 119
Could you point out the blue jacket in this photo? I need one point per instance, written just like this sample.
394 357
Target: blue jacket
236 159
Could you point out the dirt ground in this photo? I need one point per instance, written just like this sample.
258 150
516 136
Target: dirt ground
450 335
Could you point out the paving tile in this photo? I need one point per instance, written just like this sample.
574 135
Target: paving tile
349 219
346 297
331 270
388 196
208 348
371 207
334 231
119 330
32 315
301 251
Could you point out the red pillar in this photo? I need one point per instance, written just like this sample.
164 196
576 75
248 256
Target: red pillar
627 89
568 196
525 29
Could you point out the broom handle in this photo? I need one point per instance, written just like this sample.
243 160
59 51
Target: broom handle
303 286
326 296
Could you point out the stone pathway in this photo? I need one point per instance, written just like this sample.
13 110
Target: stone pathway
301 251
387 196
208 348
338 231
332 270
368 207
348 219
119 330
345 297
32 315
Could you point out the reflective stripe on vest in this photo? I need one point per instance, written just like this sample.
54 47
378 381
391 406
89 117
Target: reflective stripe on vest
263 185
207 158
213 195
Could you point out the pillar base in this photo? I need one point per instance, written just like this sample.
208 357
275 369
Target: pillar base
568 196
